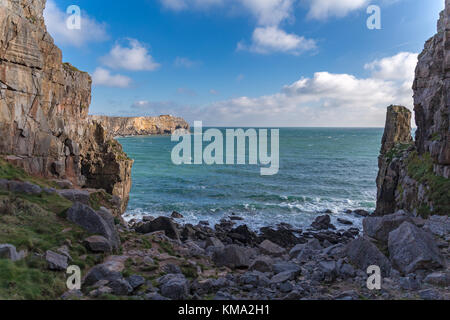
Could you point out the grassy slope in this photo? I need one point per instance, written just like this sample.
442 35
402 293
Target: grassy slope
36 224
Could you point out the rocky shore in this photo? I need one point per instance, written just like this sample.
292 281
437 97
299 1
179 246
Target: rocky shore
159 259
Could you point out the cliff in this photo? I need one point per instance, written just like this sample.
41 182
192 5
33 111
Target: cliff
122 126
44 105
415 176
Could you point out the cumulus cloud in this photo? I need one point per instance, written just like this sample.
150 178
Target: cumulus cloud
91 30
326 99
269 14
103 77
398 67
272 39
134 57
323 9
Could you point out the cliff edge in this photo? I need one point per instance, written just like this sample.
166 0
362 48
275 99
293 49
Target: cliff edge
44 105
415 176
141 126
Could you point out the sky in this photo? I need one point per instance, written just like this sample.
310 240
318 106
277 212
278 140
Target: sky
247 63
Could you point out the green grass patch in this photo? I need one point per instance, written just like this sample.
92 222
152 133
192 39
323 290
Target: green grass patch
10 172
21 281
420 168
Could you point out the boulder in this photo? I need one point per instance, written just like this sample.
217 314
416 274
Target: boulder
93 222
262 264
160 224
56 262
438 279
378 228
284 266
438 225
174 286
8 251
361 213
323 223
98 244
296 250
177 215
282 237
214 242
362 253
345 222
24 188
271 249
284 276
135 281
232 256
75 195
120 287
101 272
411 249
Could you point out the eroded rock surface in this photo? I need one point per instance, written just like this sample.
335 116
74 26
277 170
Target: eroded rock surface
141 126
44 105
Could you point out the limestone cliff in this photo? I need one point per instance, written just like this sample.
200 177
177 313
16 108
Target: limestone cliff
416 177
44 107
123 126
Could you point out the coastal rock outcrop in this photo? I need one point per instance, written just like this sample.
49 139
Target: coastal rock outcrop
415 176
141 126
44 105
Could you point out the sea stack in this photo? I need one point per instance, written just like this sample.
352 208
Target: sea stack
415 177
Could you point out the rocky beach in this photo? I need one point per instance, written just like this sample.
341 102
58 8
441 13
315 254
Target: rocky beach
65 184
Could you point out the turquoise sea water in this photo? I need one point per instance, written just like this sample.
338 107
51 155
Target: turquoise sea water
320 169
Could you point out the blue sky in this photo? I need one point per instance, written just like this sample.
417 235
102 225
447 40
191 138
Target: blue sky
247 62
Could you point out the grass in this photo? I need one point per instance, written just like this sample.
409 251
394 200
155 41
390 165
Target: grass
420 168
10 172
397 151
21 280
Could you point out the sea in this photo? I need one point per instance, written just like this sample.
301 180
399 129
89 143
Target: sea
321 170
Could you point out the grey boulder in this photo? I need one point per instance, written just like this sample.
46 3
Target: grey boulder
100 223
232 256
362 253
411 249
378 228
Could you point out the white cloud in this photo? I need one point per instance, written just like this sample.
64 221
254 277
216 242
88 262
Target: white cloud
398 67
179 5
271 39
326 99
269 12
134 57
213 92
102 77
91 30
182 62
323 9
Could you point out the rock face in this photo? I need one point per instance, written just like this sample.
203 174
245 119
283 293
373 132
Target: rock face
44 107
141 126
432 97
415 177
397 136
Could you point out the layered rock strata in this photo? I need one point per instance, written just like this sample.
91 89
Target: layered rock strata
44 105
140 126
